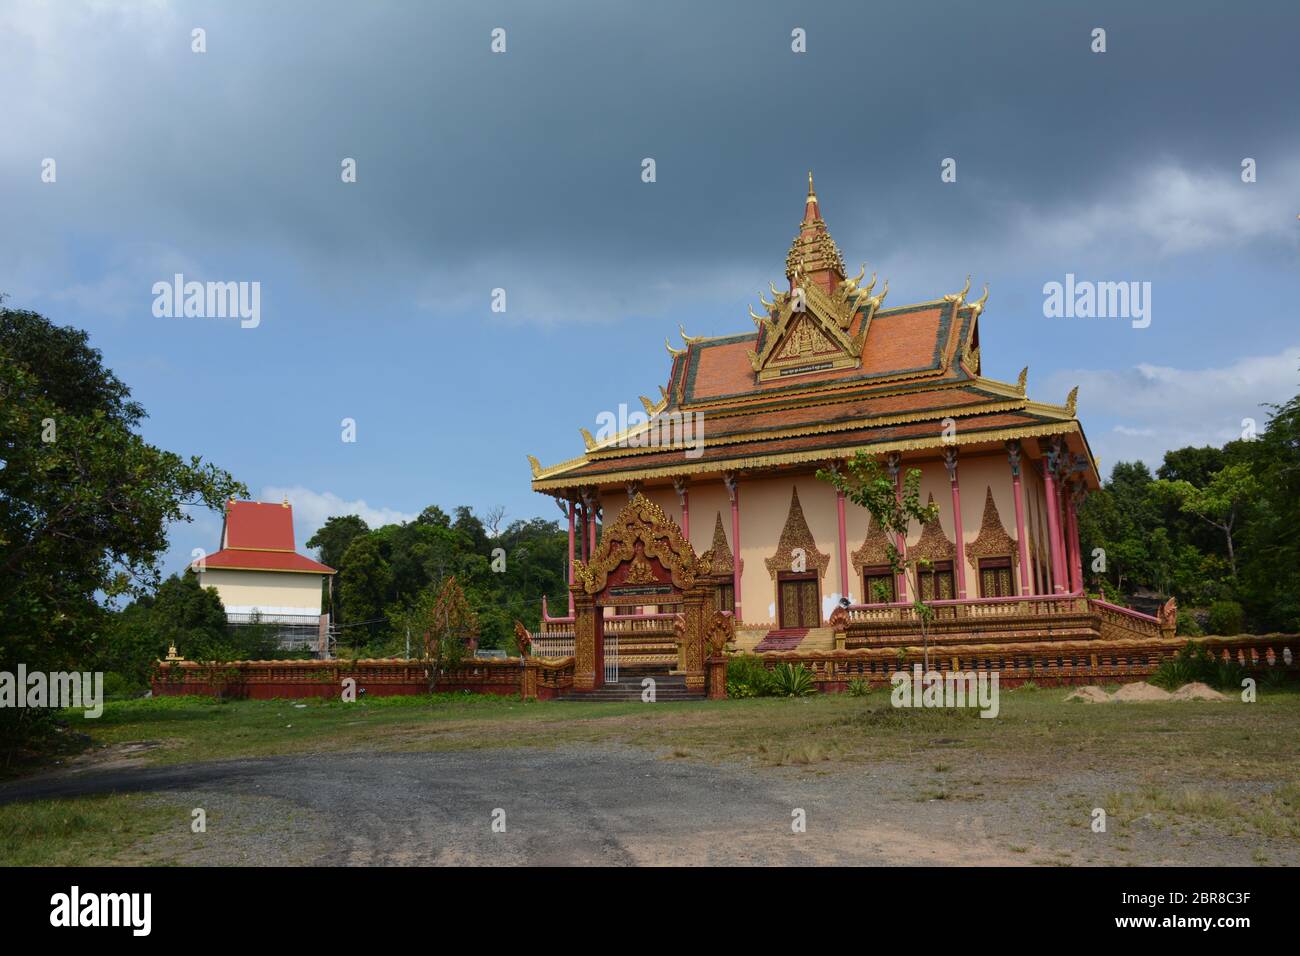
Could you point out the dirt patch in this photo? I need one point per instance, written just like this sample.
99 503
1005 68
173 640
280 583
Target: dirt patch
1090 695
1197 691
1141 693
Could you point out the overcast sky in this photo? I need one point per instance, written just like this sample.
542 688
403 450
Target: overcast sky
522 170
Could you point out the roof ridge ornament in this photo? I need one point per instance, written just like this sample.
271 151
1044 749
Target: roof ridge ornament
813 252
959 297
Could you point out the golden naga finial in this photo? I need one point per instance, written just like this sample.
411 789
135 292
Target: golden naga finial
689 339
1072 400
535 465
875 300
1024 377
648 405
754 361
959 297
587 439
858 278
663 394
672 351
977 306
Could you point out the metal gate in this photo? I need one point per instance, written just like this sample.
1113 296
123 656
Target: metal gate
611 658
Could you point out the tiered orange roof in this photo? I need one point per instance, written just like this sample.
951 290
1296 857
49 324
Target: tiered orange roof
826 373
256 536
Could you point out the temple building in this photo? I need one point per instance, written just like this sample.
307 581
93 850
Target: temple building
729 451
261 579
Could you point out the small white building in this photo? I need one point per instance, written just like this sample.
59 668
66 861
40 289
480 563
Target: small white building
260 577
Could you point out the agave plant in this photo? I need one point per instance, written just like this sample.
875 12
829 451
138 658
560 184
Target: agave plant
792 680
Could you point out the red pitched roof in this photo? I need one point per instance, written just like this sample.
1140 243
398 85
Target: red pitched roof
254 524
257 536
264 561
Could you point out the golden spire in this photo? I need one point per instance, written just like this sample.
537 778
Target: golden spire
813 253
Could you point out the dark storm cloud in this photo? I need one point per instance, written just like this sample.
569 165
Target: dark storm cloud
529 161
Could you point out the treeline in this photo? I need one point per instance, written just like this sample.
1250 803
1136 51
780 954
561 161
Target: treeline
382 572
1218 528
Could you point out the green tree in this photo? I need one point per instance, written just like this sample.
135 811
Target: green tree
868 484
1221 502
334 536
85 502
365 585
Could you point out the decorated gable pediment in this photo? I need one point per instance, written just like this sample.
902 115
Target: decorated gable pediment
796 549
933 544
641 547
993 540
874 551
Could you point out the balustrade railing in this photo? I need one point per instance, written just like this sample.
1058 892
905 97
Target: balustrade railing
1031 605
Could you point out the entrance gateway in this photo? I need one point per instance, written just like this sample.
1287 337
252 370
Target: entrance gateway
642 560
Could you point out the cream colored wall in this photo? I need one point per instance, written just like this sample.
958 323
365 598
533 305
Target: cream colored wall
265 589
977 474
765 504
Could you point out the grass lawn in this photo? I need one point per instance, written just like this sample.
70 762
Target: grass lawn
1229 766
1224 741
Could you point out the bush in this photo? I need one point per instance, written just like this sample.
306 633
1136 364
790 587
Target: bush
747 677
1195 664
793 681
1187 625
1226 618
859 687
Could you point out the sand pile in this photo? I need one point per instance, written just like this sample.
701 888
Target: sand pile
1197 691
1141 692
1090 695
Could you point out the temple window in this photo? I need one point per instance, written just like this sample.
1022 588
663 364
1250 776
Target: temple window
726 597
878 585
995 577
937 582
799 600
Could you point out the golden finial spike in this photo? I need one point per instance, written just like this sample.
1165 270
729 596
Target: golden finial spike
587 439
1024 377
536 465
1072 400
811 194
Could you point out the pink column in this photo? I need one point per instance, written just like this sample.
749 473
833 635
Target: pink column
844 545
1054 525
684 496
1022 540
1076 565
950 462
733 491
571 509
582 527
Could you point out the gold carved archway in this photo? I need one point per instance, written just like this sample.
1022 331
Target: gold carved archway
651 546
